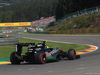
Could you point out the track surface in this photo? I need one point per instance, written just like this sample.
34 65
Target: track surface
89 64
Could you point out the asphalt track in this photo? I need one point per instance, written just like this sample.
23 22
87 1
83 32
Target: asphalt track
89 64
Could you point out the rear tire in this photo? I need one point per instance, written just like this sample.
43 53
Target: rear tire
40 57
71 54
14 59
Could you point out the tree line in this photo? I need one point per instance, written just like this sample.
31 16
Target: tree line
27 10
30 10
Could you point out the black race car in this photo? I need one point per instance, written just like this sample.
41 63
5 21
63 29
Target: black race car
39 53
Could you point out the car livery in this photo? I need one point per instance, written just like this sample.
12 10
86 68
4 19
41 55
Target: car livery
39 53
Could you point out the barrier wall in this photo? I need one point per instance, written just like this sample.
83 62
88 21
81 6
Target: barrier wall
76 31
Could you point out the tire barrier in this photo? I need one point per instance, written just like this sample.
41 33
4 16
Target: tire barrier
5 41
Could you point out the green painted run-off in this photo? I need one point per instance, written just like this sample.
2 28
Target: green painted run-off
6 59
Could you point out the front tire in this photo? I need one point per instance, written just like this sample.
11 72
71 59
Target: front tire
14 59
71 54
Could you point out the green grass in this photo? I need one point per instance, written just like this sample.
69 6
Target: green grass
5 51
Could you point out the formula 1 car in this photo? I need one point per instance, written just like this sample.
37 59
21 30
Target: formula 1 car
39 53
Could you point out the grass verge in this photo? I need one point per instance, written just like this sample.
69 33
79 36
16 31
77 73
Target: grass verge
5 51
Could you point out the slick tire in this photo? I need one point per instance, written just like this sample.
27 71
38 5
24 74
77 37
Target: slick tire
14 59
71 54
40 58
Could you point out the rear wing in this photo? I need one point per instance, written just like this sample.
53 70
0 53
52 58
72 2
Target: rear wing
25 44
33 44
29 45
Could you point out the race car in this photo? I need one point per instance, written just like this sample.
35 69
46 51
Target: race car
39 53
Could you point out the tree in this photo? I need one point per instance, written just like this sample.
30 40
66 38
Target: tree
69 6
64 7
29 10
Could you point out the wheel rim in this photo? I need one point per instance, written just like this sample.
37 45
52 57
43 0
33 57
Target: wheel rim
43 58
73 54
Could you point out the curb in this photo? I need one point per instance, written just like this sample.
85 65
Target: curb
5 61
92 49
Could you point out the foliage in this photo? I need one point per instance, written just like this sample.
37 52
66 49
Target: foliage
27 10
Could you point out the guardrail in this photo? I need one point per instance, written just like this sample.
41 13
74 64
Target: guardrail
5 41
11 30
